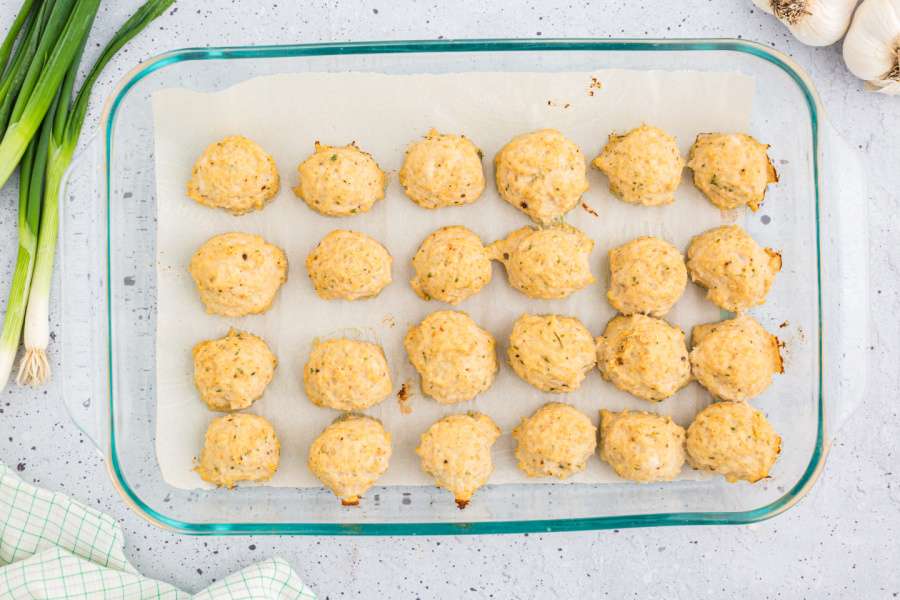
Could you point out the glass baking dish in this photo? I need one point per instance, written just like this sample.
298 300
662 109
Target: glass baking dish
108 283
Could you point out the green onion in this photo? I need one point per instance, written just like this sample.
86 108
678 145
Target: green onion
31 188
10 40
64 33
67 124
15 72
34 366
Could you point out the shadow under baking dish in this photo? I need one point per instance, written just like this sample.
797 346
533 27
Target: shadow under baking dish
109 352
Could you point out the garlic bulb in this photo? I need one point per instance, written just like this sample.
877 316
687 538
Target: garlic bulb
872 45
813 22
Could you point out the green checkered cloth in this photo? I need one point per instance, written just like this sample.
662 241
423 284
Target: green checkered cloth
54 548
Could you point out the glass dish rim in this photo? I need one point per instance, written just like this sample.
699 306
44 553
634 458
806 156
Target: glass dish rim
786 501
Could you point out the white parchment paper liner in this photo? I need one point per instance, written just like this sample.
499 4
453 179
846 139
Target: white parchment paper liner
286 114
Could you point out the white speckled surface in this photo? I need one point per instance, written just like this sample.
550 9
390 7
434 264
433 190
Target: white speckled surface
839 542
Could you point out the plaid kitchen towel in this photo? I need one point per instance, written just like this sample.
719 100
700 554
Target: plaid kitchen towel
54 548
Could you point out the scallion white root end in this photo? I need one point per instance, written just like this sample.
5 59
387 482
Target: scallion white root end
34 370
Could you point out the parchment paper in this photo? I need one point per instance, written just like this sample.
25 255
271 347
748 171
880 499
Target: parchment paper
285 114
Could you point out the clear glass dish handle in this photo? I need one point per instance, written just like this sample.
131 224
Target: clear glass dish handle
845 280
82 274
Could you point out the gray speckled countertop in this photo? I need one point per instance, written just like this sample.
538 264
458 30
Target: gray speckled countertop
839 542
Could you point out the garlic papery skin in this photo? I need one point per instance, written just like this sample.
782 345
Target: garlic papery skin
813 22
872 45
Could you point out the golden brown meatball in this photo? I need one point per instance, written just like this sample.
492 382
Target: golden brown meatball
456 451
643 166
731 169
644 356
350 455
734 440
348 265
346 374
442 170
454 357
238 274
641 446
735 359
556 441
451 265
647 275
232 372
541 173
234 174
548 263
239 447
339 181
551 352
736 271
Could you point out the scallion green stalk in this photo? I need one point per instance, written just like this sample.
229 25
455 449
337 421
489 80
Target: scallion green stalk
15 73
58 17
63 35
35 368
13 33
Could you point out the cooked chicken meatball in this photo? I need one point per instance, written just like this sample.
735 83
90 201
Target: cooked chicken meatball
348 265
239 447
451 265
733 439
556 441
541 173
339 181
643 166
454 357
442 169
548 263
647 276
731 169
551 352
232 372
238 274
456 451
644 356
350 455
234 174
346 374
735 359
736 271
641 446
